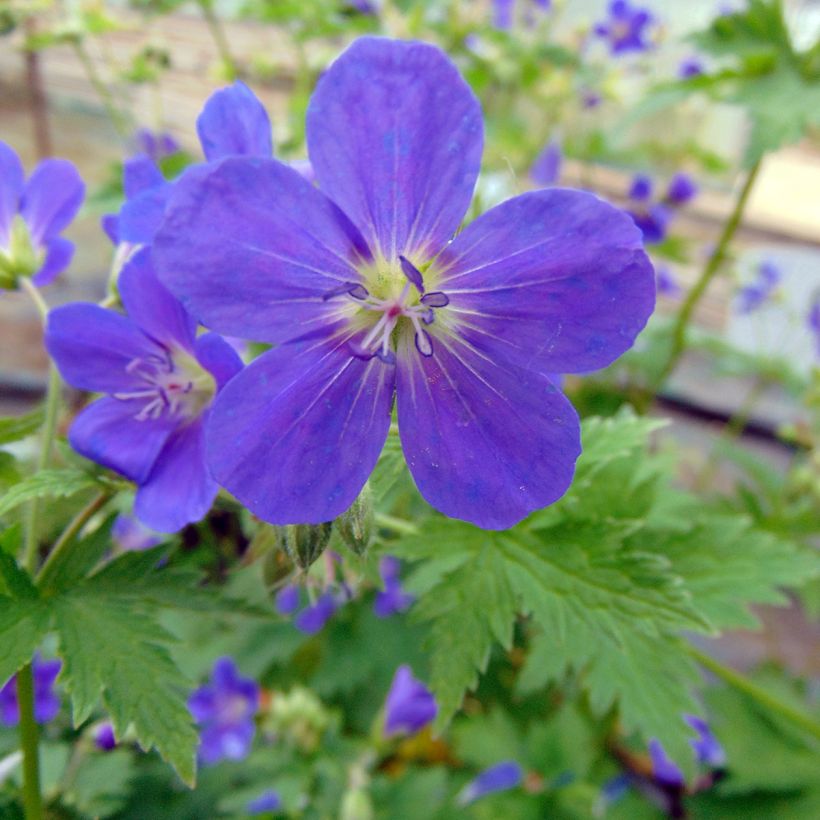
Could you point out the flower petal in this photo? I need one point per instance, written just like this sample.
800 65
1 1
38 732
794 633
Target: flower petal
395 137
140 217
140 174
53 195
180 489
250 248
554 280
108 432
296 434
485 441
59 253
217 357
92 347
11 188
151 306
233 123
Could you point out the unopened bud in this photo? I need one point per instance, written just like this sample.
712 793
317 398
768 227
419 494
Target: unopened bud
355 526
304 543
356 805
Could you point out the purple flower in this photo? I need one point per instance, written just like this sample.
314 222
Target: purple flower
410 705
104 737
369 7
641 188
626 28
590 99
504 12
653 222
547 166
287 599
706 746
156 145
160 379
313 618
666 283
750 297
46 699
393 598
33 214
502 776
690 67
613 790
664 769
366 298
224 709
813 323
266 802
681 189
131 534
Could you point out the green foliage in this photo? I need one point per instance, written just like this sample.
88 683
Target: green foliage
59 483
14 428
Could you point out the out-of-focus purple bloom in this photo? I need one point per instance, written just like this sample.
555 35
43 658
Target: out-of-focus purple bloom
46 699
287 599
156 145
33 214
690 67
813 323
333 277
546 169
682 188
393 598
640 190
313 618
130 533
502 776
159 378
614 789
224 709
750 297
626 29
410 705
266 802
104 737
653 222
504 12
706 746
590 99
664 769
666 282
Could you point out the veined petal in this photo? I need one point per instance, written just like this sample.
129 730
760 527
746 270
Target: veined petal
11 189
52 197
296 434
140 174
395 136
234 123
554 280
92 347
108 432
141 216
485 441
250 248
217 357
59 253
151 306
179 489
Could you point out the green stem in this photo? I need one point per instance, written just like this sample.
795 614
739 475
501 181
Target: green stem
219 37
756 693
118 119
29 739
396 524
712 266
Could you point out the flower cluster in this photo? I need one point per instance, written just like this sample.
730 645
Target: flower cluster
626 29
755 294
653 215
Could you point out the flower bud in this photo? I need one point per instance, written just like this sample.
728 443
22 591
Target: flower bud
304 543
356 805
355 526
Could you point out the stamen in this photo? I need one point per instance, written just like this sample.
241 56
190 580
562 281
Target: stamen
353 289
412 273
424 344
435 299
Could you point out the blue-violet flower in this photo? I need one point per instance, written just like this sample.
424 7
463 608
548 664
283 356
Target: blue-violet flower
626 29
410 705
500 777
46 699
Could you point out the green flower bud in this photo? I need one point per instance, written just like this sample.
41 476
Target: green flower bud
355 526
20 258
304 543
356 805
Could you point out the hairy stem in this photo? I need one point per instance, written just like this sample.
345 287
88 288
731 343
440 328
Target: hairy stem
29 743
390 522
219 37
756 693
711 268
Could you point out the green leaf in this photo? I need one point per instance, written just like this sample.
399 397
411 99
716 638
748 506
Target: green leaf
14 428
14 581
46 484
24 622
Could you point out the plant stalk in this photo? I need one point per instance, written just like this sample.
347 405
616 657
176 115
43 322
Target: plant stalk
29 743
219 37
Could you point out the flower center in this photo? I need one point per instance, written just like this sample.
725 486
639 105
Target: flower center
412 303
170 383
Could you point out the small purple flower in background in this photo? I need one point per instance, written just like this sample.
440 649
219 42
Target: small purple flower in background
130 533
287 599
640 190
224 709
410 705
104 737
266 802
653 217
393 599
313 618
611 792
46 699
681 189
546 170
666 283
813 323
156 145
160 379
365 297
690 67
626 29
664 769
590 99
653 221
504 11
706 746
750 297
33 214
500 777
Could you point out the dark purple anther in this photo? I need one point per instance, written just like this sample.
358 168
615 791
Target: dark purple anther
424 344
435 299
353 289
428 317
388 358
412 273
